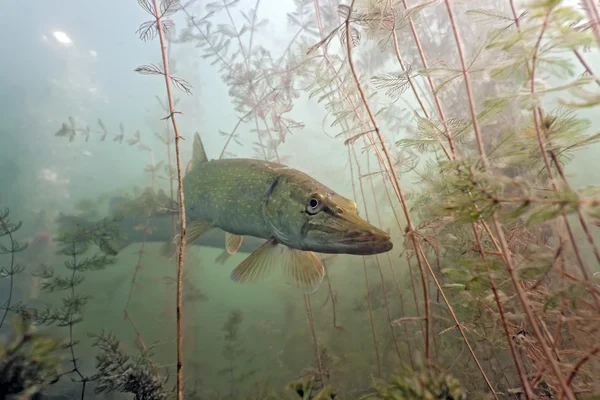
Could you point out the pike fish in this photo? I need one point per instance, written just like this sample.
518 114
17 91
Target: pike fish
294 213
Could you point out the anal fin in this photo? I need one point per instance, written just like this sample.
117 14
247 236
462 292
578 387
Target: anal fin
233 242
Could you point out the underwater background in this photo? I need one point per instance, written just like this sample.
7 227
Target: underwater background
466 129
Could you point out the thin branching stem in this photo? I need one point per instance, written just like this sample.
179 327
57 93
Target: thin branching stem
528 392
339 84
352 152
593 13
313 332
11 270
172 116
453 150
393 178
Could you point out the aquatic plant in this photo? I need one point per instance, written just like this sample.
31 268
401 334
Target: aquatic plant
235 352
117 371
75 245
423 383
160 25
261 84
305 389
29 361
471 171
8 228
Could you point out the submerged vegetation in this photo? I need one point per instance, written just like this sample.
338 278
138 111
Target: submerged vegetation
463 123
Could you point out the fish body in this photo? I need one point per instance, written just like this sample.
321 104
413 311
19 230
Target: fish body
293 212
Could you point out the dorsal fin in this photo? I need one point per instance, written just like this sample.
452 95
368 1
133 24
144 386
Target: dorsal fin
198 153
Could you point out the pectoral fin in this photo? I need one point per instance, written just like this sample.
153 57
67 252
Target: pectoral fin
258 264
303 267
233 242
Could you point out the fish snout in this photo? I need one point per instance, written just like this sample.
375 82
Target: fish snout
362 238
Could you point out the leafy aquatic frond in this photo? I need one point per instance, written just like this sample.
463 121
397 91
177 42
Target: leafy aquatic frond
152 69
169 7
396 84
117 371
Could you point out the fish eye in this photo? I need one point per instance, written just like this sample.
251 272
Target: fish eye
315 204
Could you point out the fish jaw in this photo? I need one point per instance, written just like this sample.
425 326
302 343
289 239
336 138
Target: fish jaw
347 233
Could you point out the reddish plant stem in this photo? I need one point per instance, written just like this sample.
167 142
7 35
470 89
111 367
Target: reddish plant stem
313 332
331 295
537 115
503 244
583 360
172 116
368 297
438 103
458 325
393 178
580 215
591 9
379 220
528 392
411 230
382 280
339 82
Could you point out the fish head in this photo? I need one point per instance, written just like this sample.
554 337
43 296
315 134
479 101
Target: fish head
312 217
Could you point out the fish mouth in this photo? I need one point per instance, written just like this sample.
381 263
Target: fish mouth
366 242
351 234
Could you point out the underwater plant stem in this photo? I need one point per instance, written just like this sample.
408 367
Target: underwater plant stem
216 51
383 286
393 178
71 336
585 64
368 297
331 295
12 266
370 309
403 66
169 159
458 324
246 57
438 103
172 116
414 89
311 323
528 392
502 239
544 152
591 9
470 98
239 122
595 351
580 216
